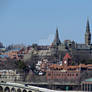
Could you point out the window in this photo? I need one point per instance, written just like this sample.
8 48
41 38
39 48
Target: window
76 74
67 74
72 74
49 74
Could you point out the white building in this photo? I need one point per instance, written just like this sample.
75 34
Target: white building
9 75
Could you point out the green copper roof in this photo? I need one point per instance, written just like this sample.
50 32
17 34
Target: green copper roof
89 80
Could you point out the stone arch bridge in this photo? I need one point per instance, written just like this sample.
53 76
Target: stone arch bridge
16 87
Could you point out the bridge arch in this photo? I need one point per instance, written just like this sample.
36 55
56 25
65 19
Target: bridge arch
19 90
24 90
1 89
13 90
7 89
29 91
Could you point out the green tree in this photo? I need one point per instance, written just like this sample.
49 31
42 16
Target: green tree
20 64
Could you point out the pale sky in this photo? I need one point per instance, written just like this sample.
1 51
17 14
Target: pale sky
35 21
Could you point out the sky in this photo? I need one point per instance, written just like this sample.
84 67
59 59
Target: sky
35 21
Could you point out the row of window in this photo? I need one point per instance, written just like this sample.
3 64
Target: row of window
9 77
68 74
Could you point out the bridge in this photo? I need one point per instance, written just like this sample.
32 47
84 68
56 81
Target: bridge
16 87
55 85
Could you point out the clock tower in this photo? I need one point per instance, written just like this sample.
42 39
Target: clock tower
66 61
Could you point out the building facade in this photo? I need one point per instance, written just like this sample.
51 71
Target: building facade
76 50
66 71
86 85
9 75
58 49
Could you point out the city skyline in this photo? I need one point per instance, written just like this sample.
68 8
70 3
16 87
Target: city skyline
30 22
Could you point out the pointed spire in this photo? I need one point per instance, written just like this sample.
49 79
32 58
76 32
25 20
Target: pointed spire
87 26
57 37
87 34
56 41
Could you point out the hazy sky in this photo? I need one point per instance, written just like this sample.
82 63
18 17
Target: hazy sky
35 21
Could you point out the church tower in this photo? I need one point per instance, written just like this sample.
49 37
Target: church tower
87 34
56 41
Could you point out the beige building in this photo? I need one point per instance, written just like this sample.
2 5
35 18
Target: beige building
9 75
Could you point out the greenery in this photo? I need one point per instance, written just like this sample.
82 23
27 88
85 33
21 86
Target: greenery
20 64
86 61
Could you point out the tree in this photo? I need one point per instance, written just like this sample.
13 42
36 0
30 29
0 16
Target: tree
20 64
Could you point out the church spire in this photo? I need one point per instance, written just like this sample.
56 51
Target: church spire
56 41
87 34
87 26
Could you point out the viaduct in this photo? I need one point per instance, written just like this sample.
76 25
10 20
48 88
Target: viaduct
16 87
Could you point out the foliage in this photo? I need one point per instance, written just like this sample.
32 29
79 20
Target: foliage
86 61
20 64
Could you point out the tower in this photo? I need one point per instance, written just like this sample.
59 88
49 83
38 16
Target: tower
66 61
56 41
87 34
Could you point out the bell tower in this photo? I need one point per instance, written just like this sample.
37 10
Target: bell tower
87 34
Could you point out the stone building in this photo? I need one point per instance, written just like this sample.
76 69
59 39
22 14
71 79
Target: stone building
57 50
76 50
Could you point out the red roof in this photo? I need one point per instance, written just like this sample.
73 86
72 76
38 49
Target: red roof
67 56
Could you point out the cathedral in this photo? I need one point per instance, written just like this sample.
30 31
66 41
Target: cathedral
77 51
80 53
